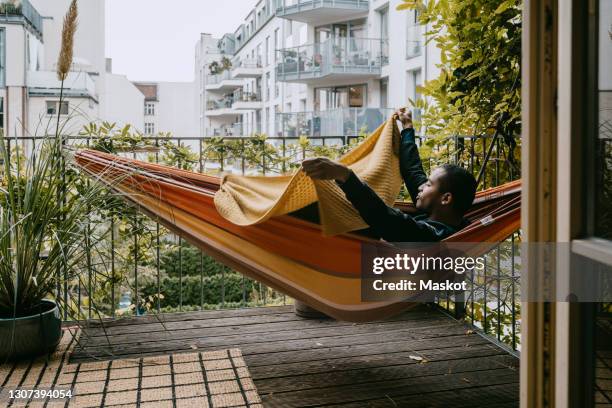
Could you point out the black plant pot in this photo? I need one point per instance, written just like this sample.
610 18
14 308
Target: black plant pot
34 335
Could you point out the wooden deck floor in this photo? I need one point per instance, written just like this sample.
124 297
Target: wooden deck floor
298 362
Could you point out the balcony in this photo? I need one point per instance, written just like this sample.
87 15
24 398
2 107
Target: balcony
422 356
336 58
247 100
322 11
222 82
76 84
247 68
419 358
341 123
220 107
234 130
23 11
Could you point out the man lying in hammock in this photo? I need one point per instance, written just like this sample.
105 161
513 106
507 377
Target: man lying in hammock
443 198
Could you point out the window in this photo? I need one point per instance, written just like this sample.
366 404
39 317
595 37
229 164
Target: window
276 89
353 96
277 44
149 128
267 86
52 108
414 81
149 109
259 55
1 113
384 93
278 119
2 58
414 36
267 51
289 28
384 35
268 127
384 23
603 136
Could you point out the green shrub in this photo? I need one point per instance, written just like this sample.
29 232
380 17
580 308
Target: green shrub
194 290
192 262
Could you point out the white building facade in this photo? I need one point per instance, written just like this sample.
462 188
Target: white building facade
30 41
312 67
170 107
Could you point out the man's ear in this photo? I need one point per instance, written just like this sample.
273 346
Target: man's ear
447 199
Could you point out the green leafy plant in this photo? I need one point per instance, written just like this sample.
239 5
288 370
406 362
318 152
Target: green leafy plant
44 223
478 89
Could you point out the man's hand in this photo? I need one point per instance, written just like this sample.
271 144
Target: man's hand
321 168
404 116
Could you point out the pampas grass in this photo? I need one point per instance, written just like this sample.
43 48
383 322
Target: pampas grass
64 61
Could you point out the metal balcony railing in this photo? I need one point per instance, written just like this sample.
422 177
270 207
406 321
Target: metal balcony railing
334 56
131 267
25 10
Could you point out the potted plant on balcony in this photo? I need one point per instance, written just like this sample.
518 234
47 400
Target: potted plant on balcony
214 68
46 232
44 241
337 51
226 64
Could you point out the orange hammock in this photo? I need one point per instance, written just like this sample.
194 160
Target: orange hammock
286 253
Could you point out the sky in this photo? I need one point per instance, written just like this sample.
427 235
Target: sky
154 40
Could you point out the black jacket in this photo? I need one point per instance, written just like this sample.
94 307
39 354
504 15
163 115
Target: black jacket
390 223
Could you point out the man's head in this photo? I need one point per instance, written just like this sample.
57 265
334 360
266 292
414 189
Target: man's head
449 188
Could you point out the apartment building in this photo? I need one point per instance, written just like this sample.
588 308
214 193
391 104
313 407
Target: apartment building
30 41
312 67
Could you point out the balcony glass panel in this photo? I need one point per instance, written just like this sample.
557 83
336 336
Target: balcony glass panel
243 96
216 79
24 9
342 122
295 6
221 103
334 55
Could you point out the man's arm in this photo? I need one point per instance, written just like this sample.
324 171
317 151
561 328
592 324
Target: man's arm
410 163
387 222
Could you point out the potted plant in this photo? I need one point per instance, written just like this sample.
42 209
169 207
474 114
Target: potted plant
46 232
226 64
214 68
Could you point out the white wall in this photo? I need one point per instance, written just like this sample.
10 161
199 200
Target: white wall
121 101
399 65
89 41
81 112
177 109
15 54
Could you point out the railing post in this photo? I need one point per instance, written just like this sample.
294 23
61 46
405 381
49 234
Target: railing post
459 305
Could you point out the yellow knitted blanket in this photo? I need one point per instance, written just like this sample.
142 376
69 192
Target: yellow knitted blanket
248 200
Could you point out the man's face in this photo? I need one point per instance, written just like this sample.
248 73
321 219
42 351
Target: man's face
429 196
